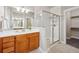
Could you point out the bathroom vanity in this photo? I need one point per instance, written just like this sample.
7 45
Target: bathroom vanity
19 41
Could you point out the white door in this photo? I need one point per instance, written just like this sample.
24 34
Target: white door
56 28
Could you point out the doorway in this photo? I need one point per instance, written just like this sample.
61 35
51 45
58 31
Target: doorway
72 27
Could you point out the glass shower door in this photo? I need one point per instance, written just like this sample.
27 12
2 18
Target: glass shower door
56 27
47 23
51 24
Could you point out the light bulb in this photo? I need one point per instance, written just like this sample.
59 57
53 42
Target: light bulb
27 10
23 9
18 8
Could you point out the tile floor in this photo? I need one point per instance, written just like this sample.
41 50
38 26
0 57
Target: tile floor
60 48
63 48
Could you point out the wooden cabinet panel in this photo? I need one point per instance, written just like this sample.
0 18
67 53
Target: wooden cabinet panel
34 41
0 45
8 50
8 39
22 43
35 34
8 44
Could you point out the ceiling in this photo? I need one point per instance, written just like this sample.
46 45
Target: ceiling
66 7
48 7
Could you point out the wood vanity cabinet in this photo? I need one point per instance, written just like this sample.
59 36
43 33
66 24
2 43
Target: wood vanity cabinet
34 40
0 45
8 44
22 43
27 42
19 43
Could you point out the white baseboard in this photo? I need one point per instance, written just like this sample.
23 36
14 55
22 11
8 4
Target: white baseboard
42 51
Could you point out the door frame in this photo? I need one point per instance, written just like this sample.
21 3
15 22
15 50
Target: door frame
64 32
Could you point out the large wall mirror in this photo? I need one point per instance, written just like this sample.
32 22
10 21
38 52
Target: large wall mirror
18 17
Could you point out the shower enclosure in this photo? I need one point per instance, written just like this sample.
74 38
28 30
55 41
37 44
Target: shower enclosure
51 23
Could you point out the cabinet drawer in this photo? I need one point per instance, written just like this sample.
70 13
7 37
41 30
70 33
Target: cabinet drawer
11 49
8 39
6 45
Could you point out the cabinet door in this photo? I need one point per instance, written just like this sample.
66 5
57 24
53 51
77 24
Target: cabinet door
8 44
34 41
0 45
21 43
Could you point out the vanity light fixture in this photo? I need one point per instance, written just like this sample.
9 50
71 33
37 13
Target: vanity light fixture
27 10
18 8
23 9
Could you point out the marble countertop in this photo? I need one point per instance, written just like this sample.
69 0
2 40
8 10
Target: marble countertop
17 32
